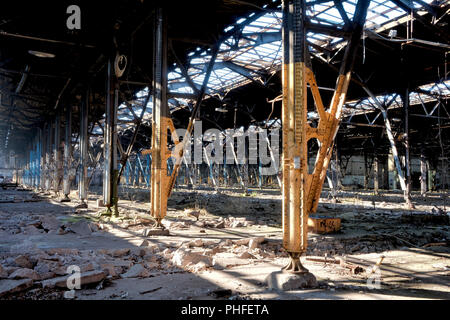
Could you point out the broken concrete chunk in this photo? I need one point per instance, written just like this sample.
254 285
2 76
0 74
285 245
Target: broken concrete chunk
80 227
31 230
196 243
120 252
255 242
24 273
111 269
86 267
136 271
45 270
285 281
50 222
140 252
155 232
12 286
220 263
183 258
63 251
246 255
220 225
3 272
23 262
85 278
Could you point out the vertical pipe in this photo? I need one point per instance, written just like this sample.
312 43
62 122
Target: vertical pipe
407 191
110 170
57 153
48 156
84 143
294 134
42 155
159 120
423 174
375 174
67 151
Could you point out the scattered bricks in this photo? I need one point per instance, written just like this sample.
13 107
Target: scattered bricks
23 262
13 286
136 271
184 258
120 252
24 273
85 278
155 232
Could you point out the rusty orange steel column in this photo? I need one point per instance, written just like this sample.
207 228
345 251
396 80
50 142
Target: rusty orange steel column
160 114
294 111
301 190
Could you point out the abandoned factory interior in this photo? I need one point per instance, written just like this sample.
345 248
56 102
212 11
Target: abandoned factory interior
224 150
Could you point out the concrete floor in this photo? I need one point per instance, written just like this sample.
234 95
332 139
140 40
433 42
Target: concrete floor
371 227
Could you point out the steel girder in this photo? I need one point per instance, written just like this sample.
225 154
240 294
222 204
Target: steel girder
301 190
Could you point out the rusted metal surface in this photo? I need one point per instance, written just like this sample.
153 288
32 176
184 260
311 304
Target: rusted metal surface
324 224
301 190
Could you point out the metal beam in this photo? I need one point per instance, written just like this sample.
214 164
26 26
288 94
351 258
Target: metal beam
84 144
110 194
67 151
160 120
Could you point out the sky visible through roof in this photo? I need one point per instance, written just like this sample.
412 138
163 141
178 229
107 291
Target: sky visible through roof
258 51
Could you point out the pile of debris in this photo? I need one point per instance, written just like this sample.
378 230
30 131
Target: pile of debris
52 268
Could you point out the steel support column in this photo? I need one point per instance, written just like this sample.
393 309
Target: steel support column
110 195
48 161
43 140
57 174
294 109
423 174
301 191
407 191
67 152
83 144
159 178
